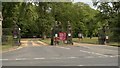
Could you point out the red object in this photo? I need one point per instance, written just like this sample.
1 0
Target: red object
62 36
56 39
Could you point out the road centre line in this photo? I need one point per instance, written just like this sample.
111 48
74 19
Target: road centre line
72 57
3 59
42 58
39 58
20 59
80 65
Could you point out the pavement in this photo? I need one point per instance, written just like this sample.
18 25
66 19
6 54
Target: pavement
36 53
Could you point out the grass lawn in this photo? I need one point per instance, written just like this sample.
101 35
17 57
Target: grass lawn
6 47
47 41
7 44
94 40
114 44
85 40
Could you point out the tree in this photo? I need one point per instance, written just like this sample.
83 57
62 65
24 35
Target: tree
38 18
109 13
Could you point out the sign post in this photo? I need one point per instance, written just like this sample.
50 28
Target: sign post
62 36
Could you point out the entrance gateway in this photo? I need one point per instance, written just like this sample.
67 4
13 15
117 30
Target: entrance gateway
57 35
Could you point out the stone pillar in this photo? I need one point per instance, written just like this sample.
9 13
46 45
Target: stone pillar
69 34
1 28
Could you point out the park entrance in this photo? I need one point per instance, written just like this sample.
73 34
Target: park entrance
58 36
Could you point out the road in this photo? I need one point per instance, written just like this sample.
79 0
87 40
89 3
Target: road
36 54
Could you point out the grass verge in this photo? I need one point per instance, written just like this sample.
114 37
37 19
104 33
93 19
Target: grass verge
86 40
47 41
94 40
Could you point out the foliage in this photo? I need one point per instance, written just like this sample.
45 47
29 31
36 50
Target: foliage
109 15
38 18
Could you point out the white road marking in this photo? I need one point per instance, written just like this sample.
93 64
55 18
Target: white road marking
72 57
63 47
99 48
94 53
86 47
20 59
38 58
89 47
80 65
4 59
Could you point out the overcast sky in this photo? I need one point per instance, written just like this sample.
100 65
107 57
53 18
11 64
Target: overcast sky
86 1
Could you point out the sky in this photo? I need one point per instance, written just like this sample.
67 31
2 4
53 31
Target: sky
89 2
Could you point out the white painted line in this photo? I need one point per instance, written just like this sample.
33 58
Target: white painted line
72 57
20 59
63 47
17 59
99 48
112 56
86 47
38 58
80 65
94 53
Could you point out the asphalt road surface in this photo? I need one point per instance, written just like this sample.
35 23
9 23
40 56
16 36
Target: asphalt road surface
36 54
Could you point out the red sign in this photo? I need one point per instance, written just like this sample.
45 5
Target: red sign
62 36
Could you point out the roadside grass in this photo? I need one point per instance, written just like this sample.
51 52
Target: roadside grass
6 45
24 39
114 44
87 40
47 40
94 40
